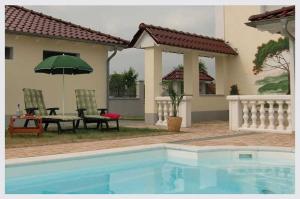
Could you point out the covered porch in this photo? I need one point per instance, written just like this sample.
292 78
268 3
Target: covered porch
195 107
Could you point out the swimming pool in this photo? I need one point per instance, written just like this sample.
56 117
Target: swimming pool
156 169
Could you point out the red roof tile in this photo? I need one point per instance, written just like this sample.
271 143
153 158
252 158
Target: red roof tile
274 14
177 74
22 20
181 39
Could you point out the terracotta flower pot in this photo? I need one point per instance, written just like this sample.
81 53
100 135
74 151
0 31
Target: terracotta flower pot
174 124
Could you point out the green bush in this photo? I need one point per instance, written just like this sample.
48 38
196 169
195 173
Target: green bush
234 90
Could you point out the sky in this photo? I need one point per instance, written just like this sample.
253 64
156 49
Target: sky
123 21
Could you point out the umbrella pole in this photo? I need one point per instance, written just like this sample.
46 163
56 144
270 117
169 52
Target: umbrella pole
63 96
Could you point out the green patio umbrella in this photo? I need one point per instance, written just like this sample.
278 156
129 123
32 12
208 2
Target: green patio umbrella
63 64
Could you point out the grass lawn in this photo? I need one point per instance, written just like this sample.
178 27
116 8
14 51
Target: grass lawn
81 135
139 118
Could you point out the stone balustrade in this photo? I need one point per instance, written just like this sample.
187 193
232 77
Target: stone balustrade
165 109
260 113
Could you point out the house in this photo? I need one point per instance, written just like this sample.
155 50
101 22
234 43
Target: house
248 113
206 82
31 37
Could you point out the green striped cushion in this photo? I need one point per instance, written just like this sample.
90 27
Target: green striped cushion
33 98
86 99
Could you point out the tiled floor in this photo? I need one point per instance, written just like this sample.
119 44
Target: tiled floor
211 133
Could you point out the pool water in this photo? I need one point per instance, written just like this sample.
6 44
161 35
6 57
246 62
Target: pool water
156 171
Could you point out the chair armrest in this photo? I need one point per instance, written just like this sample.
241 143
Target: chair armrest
52 110
102 110
81 112
31 110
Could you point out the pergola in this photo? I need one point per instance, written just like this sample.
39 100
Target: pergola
155 40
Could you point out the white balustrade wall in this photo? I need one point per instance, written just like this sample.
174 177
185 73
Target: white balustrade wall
260 113
165 109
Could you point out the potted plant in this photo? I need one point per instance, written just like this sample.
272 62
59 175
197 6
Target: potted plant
174 122
234 90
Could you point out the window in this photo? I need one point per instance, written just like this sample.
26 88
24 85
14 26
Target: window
8 52
47 53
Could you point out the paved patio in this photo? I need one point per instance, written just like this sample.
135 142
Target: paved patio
204 134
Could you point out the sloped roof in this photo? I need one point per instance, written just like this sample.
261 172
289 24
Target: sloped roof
22 20
177 74
274 14
170 37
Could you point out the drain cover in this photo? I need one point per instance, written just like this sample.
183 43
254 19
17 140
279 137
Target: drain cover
265 191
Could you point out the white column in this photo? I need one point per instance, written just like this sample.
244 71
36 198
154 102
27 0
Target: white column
235 112
292 81
184 110
191 74
153 78
221 76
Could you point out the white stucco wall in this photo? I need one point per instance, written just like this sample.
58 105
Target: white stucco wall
28 52
246 39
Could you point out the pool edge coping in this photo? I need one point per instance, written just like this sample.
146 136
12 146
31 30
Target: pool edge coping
119 150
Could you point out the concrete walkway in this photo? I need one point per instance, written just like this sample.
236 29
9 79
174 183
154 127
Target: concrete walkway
212 133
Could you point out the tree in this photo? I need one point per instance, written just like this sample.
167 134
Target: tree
130 77
123 84
179 66
202 67
116 85
269 57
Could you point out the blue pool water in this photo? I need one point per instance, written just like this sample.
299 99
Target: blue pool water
155 171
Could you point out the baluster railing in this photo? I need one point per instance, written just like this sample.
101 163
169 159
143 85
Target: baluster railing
271 115
245 114
253 114
261 113
280 115
159 111
289 115
262 116
170 109
165 109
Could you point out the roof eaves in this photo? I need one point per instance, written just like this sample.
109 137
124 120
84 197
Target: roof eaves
152 36
267 21
68 39
72 24
261 16
147 28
